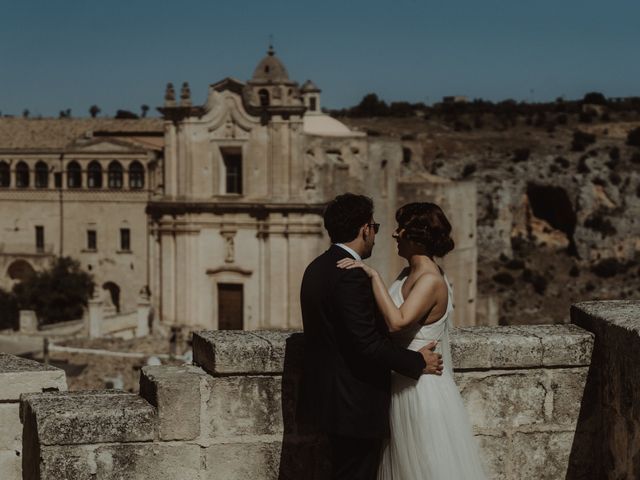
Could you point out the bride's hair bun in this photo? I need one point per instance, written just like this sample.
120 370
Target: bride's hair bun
426 224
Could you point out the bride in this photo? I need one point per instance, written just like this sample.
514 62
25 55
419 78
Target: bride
431 435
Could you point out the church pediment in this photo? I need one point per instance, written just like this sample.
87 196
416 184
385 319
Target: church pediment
105 145
229 83
226 117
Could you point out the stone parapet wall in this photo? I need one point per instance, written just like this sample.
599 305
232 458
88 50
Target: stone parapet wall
522 386
233 415
19 376
609 421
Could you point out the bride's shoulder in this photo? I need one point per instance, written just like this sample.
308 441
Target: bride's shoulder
430 281
404 273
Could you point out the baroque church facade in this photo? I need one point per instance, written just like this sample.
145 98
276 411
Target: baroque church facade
230 211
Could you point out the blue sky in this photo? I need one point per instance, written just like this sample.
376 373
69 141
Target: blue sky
120 54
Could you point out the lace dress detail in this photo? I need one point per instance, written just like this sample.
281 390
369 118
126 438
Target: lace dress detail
431 437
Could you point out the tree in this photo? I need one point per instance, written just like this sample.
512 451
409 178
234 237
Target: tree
633 137
594 98
126 114
144 108
56 294
25 113
370 106
9 314
94 110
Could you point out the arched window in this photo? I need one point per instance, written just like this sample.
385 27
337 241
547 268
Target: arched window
20 270
74 175
115 175
264 97
5 176
42 175
22 175
94 175
136 175
114 294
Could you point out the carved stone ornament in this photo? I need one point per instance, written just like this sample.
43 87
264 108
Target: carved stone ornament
229 245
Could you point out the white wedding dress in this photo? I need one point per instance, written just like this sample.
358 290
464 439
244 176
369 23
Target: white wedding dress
431 437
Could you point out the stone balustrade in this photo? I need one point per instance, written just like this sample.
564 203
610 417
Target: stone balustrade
537 401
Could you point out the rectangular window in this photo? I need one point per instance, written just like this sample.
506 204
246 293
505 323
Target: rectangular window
230 306
313 104
233 171
39 238
125 239
92 240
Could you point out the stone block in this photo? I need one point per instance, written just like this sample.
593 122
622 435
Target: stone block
567 387
10 465
494 347
247 405
290 459
541 455
494 451
520 346
175 391
10 427
596 315
503 399
244 460
562 345
235 352
68 462
89 417
158 461
121 462
19 375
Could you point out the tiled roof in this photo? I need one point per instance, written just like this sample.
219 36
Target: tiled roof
56 134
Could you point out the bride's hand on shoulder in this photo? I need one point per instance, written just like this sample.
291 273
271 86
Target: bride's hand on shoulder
349 263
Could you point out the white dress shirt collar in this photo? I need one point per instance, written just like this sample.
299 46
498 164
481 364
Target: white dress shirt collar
351 251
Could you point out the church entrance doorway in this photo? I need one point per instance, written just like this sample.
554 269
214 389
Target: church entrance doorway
230 306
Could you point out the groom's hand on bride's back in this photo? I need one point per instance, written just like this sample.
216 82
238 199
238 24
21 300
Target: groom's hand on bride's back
432 359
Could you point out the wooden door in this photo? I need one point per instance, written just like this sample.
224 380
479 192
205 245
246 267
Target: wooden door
230 306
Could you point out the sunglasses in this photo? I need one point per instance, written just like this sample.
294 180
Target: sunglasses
376 227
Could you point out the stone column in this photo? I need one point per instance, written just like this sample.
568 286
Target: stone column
96 315
28 321
144 307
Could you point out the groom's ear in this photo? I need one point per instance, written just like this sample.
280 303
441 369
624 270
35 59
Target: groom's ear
363 232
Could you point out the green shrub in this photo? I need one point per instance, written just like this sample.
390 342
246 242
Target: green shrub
57 294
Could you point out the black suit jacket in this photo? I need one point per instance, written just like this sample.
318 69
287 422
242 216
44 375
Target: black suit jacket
348 356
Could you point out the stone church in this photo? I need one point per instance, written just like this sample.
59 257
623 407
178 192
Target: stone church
230 209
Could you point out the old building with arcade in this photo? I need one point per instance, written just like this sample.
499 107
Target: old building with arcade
216 209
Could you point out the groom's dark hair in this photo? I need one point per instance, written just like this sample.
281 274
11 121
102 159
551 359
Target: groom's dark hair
345 214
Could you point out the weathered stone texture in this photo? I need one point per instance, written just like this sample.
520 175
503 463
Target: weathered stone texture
121 462
520 346
90 417
10 465
175 391
244 405
614 383
244 460
10 427
19 375
234 352
234 417
504 399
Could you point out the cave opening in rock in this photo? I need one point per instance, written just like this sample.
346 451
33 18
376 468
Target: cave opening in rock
552 204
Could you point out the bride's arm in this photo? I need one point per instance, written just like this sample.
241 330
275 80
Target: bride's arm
415 307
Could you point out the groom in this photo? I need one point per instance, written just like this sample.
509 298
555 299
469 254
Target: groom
348 355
